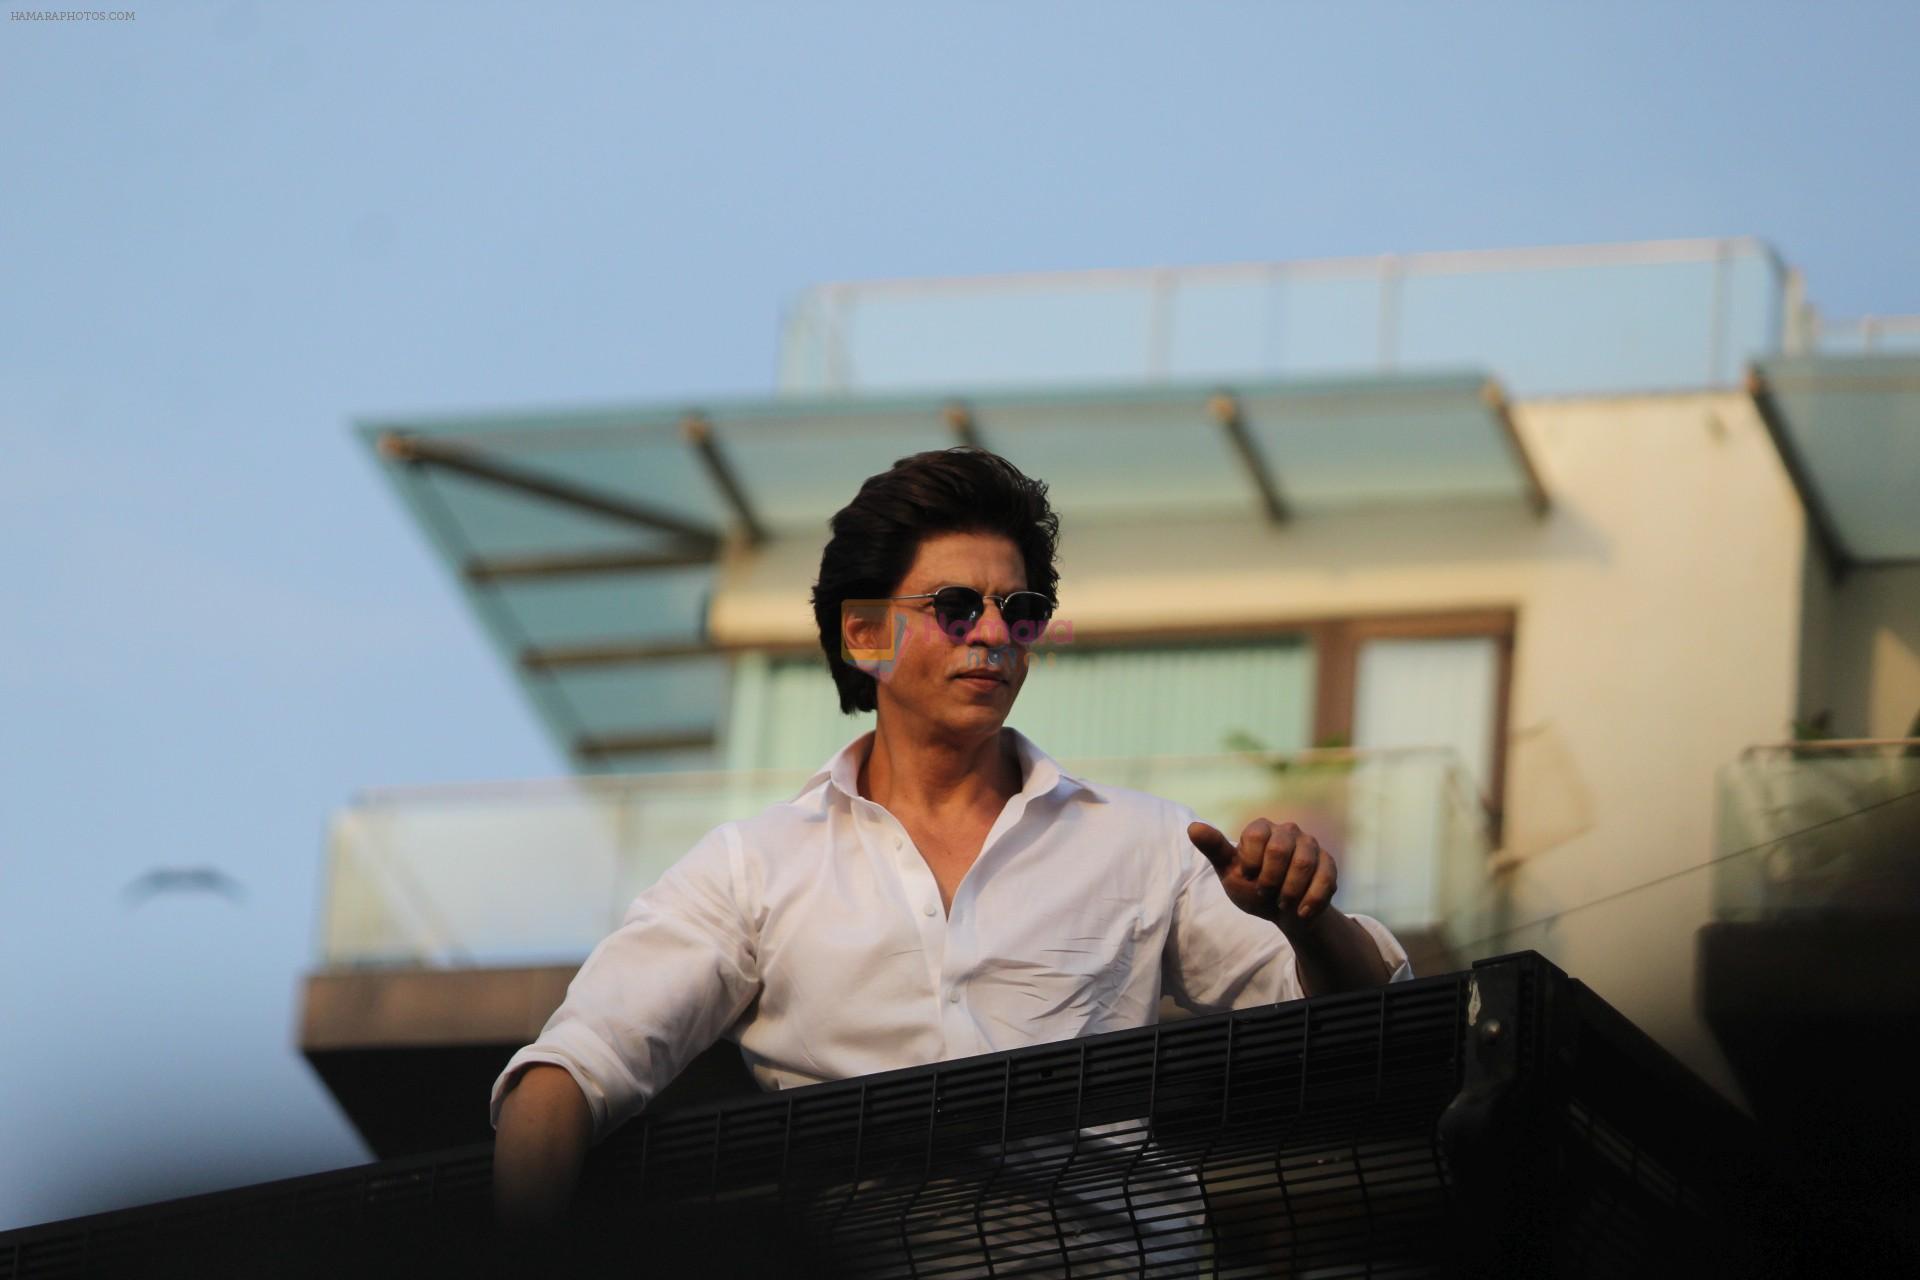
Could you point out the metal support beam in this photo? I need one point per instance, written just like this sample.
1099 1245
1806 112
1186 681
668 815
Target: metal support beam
601 746
463 460
1225 409
1496 401
624 653
585 563
1826 534
698 430
960 420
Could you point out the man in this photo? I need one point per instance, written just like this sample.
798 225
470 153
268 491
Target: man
941 887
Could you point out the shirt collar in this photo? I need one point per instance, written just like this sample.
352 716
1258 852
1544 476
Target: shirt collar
1040 773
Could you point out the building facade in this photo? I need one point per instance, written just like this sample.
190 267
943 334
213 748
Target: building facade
1505 572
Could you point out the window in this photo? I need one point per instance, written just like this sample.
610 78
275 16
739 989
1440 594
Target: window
1425 680
1411 680
1113 699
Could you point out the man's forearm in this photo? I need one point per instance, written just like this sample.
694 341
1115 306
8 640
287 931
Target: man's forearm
1333 953
545 1130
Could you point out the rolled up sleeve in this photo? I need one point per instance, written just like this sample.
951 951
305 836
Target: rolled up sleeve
676 974
1390 949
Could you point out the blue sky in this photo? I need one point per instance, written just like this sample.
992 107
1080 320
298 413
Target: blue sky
231 228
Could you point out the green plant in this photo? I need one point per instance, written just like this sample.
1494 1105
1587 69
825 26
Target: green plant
1245 743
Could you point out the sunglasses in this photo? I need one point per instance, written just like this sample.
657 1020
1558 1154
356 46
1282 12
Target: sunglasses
960 607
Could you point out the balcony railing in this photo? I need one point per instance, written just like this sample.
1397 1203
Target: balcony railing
538 872
1866 335
1583 319
1819 828
1803 831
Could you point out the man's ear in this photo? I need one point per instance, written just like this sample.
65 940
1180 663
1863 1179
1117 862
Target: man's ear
867 641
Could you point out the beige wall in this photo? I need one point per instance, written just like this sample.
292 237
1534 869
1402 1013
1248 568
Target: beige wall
1659 609
1817 626
1873 681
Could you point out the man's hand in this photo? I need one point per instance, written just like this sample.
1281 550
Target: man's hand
1280 873
1277 872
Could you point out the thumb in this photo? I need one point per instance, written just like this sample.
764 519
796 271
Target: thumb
1211 841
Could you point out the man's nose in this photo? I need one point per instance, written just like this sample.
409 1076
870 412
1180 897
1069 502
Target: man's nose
992 634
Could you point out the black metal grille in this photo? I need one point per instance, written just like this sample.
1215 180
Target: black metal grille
1306 1128
1502 1120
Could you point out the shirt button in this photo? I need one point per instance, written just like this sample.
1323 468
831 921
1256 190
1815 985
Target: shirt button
927 910
953 996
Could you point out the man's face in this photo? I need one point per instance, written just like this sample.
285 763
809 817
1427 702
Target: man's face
935 676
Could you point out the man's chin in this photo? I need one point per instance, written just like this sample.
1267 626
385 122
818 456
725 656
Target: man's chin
961 707
973 712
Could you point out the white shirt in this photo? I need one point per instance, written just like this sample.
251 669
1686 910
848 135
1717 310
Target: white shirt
812 934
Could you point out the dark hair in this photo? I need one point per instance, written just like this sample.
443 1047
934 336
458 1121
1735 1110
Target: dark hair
876 536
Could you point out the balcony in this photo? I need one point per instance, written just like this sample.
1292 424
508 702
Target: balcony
1819 831
454 917
1804 973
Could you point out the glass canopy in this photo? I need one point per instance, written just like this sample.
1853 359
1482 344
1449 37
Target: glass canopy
587 542
1848 428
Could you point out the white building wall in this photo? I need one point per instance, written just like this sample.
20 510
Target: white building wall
1659 606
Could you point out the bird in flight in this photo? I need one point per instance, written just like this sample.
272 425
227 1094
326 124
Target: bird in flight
182 880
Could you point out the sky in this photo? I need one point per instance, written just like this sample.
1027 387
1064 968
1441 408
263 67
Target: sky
228 230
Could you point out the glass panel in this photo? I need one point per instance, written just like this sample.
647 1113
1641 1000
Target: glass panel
1889 334
495 519
655 605
1414 442
664 695
481 519
1578 320
808 338
1818 831
1328 323
1220 327
539 872
1855 422
898 338
1107 456
512 874
799 470
1802 834
1649 325
1754 315
1396 820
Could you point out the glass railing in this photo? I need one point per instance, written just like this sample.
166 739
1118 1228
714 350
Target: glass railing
1574 320
1867 335
1802 830
1819 828
535 873
1409 833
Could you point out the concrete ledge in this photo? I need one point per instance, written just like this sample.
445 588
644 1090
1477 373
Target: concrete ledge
371 1009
